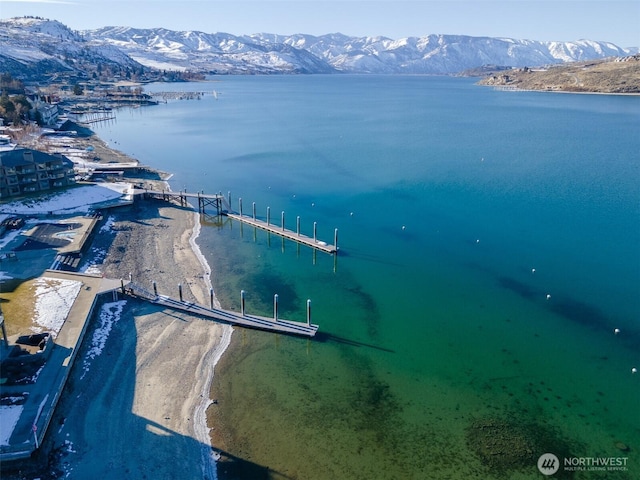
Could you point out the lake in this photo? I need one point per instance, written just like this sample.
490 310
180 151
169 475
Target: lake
489 246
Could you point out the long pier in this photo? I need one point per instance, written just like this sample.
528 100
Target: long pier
274 324
288 234
223 207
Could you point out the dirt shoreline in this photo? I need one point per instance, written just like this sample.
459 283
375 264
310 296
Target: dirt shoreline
152 385
138 410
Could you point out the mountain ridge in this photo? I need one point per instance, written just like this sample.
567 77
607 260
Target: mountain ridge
34 46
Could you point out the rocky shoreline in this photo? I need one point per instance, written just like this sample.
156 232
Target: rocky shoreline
613 76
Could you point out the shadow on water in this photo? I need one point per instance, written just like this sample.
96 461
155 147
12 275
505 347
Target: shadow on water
231 467
328 337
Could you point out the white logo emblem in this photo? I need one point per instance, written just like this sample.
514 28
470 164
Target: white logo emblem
548 464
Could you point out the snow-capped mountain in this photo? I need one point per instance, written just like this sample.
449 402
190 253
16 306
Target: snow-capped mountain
433 54
38 45
218 52
33 47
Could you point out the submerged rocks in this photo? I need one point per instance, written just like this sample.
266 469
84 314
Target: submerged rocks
505 445
623 447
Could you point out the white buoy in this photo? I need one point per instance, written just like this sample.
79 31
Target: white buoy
616 331
634 370
548 296
533 270
478 241
403 227
351 214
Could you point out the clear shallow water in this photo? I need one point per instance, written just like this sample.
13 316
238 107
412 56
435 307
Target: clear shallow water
430 327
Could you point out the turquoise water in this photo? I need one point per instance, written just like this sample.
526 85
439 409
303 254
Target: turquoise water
460 210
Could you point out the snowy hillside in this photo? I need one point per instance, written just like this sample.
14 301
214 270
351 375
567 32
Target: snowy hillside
30 46
40 48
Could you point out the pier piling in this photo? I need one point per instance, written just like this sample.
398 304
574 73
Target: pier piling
275 307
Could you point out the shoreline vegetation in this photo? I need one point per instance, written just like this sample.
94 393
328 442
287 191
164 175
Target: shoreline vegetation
146 398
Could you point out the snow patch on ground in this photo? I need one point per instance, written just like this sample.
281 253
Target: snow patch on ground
109 316
54 298
10 415
108 225
73 200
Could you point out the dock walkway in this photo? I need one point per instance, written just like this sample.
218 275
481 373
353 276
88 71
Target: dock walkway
226 316
222 206
283 232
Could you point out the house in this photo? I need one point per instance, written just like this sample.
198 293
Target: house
48 111
24 171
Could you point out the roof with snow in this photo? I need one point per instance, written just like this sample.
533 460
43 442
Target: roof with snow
26 156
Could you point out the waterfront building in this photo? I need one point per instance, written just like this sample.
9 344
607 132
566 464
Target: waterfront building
24 171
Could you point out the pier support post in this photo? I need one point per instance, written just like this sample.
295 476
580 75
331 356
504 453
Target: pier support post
155 288
309 312
282 220
335 239
211 298
315 231
254 211
180 291
298 225
122 285
229 198
242 302
275 307
268 215
4 331
240 204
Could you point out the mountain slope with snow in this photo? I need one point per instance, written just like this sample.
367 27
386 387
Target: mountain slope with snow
30 45
39 48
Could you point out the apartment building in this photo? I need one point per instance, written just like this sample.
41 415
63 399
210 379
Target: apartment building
24 171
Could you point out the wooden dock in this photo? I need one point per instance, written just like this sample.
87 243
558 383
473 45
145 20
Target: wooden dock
242 319
288 234
222 207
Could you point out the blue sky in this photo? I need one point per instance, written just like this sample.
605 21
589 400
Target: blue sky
563 20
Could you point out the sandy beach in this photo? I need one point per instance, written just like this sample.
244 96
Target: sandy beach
138 409
144 399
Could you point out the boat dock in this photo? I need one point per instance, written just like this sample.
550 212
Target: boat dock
242 319
223 207
296 236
